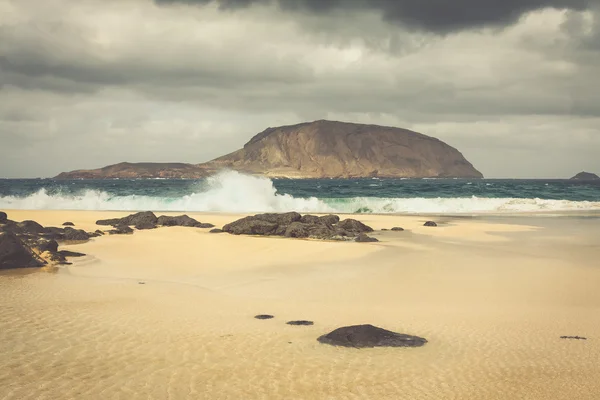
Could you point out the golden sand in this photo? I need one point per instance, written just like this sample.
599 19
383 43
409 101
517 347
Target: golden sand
491 297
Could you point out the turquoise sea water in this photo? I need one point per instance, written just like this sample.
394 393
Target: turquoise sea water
234 192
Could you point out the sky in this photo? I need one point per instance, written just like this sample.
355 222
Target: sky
514 84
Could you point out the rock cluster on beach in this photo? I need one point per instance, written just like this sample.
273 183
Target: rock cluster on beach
28 244
147 220
294 225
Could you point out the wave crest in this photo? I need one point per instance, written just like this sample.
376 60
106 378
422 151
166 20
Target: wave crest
230 191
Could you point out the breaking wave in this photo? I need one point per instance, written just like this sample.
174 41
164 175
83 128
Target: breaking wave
238 193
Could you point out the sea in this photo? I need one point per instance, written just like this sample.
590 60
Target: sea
233 192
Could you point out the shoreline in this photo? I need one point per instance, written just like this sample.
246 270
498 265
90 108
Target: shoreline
491 297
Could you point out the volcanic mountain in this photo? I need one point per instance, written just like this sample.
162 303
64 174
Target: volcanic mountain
321 149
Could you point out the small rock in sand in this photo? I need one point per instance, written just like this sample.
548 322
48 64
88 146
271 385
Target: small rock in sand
300 322
263 316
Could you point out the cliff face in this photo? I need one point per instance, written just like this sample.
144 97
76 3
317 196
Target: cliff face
138 170
320 149
328 149
586 176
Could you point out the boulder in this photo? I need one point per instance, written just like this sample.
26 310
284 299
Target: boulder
353 226
75 234
15 254
360 336
54 233
68 224
397 229
180 220
3 217
121 230
141 218
329 219
297 230
362 238
30 227
99 232
429 223
46 245
145 225
251 226
216 230
309 219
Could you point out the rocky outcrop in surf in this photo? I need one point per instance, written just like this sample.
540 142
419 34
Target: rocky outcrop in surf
294 225
28 244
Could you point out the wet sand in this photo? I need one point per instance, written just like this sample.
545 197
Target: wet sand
491 296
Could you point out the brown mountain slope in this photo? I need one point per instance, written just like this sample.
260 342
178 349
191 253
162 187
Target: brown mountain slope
137 170
329 149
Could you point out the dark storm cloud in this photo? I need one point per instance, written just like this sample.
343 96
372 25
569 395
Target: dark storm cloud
440 16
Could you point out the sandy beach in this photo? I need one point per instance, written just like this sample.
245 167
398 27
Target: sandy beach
492 297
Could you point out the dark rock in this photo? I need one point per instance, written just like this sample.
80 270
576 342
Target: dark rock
30 227
145 225
329 219
75 234
251 226
15 254
353 226
297 230
67 253
362 238
121 230
300 322
54 233
99 232
68 224
140 218
322 231
310 219
263 316
206 225
385 229
294 225
3 217
46 245
180 220
360 336
574 337
397 229
216 230
280 219
429 223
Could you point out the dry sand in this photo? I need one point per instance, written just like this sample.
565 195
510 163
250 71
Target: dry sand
492 298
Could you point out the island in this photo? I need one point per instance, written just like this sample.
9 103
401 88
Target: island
319 149
586 176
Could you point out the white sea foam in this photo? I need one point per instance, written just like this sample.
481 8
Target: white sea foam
234 192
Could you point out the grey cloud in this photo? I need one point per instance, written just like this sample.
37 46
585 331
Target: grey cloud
440 16
188 84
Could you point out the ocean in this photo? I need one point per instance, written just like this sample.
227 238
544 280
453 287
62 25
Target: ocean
230 191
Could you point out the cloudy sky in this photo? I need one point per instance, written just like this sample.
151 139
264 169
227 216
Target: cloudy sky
514 84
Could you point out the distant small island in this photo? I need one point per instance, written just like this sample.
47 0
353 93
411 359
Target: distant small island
586 176
319 149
